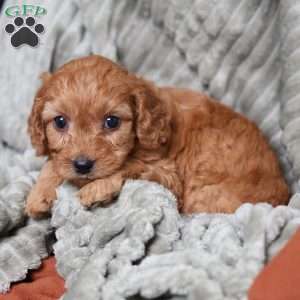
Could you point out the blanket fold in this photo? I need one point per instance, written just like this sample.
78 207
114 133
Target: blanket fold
141 247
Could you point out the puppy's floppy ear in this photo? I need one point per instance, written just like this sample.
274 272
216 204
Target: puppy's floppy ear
152 118
35 122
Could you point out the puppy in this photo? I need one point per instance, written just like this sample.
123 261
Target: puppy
100 125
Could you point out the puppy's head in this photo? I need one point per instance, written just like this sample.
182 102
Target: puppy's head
91 115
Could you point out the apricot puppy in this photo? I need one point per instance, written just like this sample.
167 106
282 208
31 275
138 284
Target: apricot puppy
100 125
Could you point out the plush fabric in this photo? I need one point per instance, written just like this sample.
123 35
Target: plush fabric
243 53
141 246
290 87
23 242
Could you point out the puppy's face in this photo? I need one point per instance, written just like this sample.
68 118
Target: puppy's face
89 133
90 115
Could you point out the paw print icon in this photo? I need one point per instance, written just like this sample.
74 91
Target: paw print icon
24 32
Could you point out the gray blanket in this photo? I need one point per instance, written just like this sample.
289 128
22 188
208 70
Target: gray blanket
141 246
245 53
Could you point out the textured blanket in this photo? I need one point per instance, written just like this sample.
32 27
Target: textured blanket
245 53
141 246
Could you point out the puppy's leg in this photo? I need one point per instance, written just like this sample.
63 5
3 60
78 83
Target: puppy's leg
43 193
106 189
101 190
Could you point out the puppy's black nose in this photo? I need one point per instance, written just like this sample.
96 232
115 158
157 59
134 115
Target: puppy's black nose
83 165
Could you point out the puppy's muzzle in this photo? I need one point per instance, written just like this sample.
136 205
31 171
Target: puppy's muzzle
83 165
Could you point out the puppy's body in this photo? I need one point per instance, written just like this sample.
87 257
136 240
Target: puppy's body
212 158
221 157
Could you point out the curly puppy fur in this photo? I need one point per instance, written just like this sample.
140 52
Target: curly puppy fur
212 158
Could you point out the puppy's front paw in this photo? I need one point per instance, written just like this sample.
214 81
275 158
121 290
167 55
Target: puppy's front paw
101 190
39 203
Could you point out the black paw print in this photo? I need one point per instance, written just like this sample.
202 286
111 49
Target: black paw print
25 34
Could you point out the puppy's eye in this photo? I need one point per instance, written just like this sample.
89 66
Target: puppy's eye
60 122
112 122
